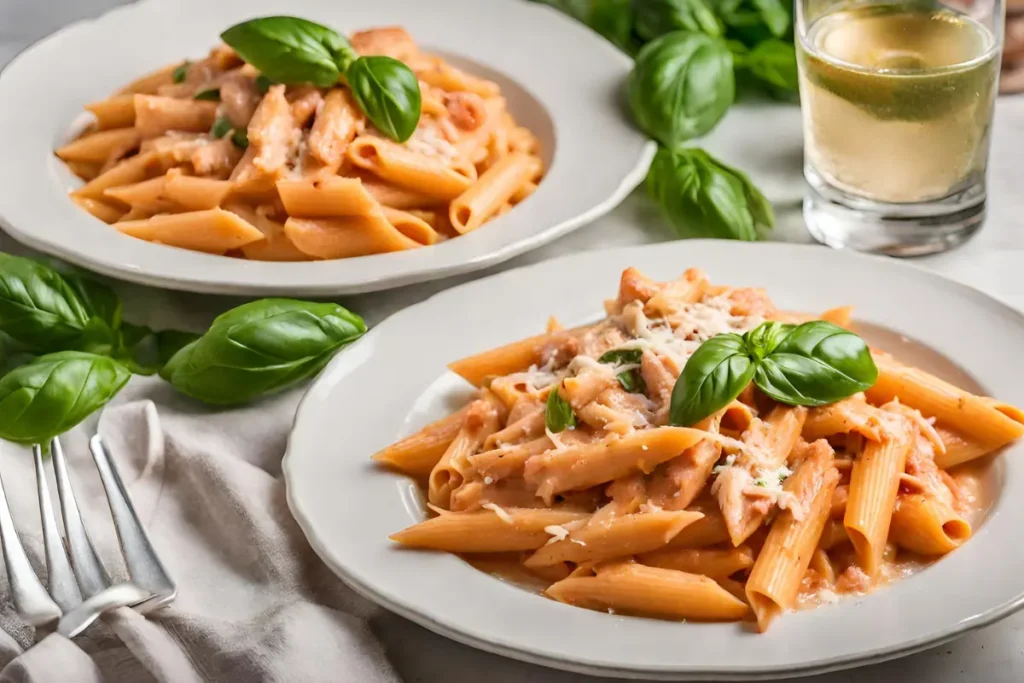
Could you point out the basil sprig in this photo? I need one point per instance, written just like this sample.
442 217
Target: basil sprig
53 393
558 414
631 380
293 51
261 347
807 365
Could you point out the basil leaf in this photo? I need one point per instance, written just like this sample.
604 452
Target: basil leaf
558 414
263 83
681 86
261 347
53 393
817 363
100 334
38 308
631 380
764 338
208 95
291 50
221 127
621 356
773 62
181 73
702 197
713 376
388 92
774 14
145 352
658 17
611 19
240 138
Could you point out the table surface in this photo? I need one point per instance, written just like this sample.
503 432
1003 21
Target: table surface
764 140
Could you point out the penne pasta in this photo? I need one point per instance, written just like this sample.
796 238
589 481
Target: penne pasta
492 190
214 231
408 169
927 526
486 531
718 564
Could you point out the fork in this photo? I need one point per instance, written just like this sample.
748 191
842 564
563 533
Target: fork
78 588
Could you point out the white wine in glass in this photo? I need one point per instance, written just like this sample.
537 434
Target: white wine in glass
897 104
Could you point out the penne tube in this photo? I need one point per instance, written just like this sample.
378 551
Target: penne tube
834 535
114 112
132 170
510 358
874 482
148 195
970 415
336 125
652 592
101 146
958 449
529 425
195 194
214 231
676 483
927 526
446 77
486 531
411 226
848 416
614 537
780 567
332 238
151 82
708 531
717 564
482 419
398 197
155 115
494 188
417 454
508 461
580 467
326 197
397 164
275 245
108 213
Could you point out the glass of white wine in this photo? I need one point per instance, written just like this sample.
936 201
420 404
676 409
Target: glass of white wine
897 99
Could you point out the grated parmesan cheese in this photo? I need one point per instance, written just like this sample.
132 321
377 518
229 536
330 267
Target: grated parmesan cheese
557 533
502 515
555 439
488 481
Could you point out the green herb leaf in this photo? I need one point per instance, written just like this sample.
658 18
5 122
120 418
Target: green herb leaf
38 308
240 138
775 15
388 92
764 338
702 197
621 356
558 414
655 18
208 95
612 19
291 50
681 86
181 73
261 347
221 127
145 352
631 380
51 394
712 377
263 83
815 364
773 62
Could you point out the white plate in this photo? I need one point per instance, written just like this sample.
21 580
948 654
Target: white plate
562 81
394 381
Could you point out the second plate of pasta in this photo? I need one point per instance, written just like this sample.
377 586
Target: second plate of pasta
695 443
397 149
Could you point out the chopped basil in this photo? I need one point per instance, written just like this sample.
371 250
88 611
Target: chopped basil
631 380
558 414
263 83
208 95
220 127
181 73
240 138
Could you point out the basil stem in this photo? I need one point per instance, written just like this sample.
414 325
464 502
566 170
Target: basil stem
51 394
558 414
181 73
208 95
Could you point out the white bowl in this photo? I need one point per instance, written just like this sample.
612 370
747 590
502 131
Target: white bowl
561 79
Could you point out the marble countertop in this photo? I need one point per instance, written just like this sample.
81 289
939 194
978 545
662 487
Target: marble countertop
763 140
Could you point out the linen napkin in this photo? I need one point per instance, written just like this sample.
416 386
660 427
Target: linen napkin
254 602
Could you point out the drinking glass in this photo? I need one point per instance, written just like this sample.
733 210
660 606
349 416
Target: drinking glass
897 99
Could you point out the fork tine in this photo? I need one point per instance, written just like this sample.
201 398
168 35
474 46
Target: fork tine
60 580
141 559
92 578
30 598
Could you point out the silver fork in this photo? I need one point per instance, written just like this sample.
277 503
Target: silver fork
78 587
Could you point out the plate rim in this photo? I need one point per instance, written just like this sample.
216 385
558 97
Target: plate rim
464 636
201 278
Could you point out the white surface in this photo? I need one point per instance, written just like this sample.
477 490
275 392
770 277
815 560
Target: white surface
769 144
97 57
348 508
